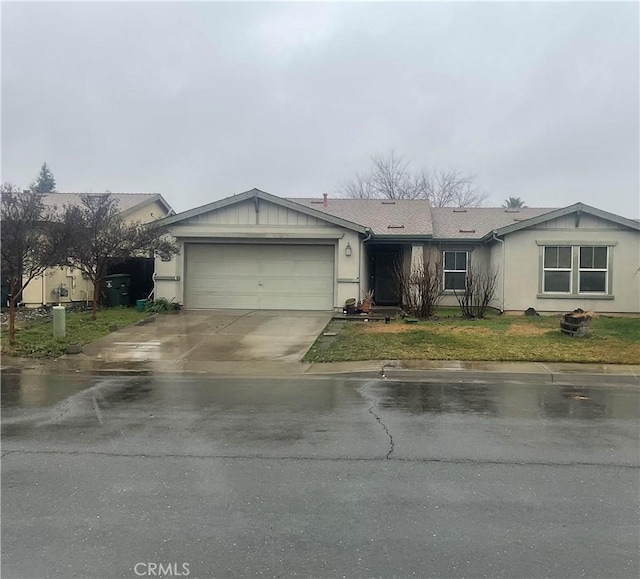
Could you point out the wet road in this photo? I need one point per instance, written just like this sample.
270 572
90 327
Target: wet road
325 477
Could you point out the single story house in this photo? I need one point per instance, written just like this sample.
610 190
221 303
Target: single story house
63 285
258 251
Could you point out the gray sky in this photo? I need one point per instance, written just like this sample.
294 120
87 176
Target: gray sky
202 100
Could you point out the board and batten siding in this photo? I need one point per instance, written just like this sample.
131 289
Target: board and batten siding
245 214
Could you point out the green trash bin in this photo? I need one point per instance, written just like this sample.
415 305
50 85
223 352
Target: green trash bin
116 289
5 294
141 305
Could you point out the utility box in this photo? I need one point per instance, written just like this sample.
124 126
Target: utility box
115 288
59 322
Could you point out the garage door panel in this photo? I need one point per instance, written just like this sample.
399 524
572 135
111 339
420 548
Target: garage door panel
259 276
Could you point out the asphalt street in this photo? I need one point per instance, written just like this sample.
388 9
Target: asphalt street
200 476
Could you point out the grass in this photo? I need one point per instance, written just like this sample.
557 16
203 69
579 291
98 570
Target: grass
35 339
612 340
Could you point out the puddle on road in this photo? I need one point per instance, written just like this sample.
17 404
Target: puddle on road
514 400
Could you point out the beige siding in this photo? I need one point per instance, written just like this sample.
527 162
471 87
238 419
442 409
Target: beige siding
245 214
523 266
147 213
587 221
44 290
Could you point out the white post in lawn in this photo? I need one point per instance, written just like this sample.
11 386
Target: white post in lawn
59 322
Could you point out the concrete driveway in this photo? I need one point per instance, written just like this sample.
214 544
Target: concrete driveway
202 337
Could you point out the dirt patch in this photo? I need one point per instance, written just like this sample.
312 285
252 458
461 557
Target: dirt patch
382 328
462 330
379 328
518 330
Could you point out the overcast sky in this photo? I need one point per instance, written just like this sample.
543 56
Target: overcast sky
200 101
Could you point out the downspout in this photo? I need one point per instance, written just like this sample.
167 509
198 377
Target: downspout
495 238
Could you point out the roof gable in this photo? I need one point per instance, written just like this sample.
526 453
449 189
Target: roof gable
255 195
578 209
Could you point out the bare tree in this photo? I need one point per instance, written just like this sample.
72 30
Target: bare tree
32 241
391 177
478 292
101 238
420 287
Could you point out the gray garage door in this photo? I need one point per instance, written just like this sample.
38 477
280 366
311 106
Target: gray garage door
265 277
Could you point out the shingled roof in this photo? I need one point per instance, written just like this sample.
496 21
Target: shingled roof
383 216
477 222
126 201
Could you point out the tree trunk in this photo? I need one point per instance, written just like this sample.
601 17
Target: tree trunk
96 297
12 316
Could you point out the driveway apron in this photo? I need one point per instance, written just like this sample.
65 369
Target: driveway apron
214 336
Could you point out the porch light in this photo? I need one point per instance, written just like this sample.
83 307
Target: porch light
347 250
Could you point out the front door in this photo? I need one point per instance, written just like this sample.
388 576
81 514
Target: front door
383 283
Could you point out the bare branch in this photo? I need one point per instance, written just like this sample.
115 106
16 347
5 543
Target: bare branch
391 177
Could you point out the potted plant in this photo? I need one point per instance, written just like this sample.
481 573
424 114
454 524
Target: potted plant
367 301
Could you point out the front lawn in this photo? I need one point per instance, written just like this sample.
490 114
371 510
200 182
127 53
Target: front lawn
34 339
612 340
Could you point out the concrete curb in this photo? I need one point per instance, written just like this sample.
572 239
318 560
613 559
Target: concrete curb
417 370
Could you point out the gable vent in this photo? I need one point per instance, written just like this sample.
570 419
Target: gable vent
388 202
395 226
467 230
459 210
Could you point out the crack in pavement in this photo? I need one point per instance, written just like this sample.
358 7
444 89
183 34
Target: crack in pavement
371 411
441 460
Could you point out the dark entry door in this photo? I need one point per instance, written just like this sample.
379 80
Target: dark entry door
384 287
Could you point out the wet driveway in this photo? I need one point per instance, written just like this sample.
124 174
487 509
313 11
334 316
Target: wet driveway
320 477
198 336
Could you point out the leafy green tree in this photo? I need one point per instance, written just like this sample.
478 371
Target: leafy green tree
513 203
45 183
101 238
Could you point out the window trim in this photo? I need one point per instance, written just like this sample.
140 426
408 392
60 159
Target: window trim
445 271
575 270
593 269
559 269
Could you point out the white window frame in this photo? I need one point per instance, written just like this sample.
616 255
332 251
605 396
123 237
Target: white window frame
593 269
445 271
563 269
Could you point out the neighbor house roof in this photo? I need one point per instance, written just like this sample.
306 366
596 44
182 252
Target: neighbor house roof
127 202
405 217
478 222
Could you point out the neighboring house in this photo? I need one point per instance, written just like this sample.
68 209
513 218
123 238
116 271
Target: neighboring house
65 285
258 251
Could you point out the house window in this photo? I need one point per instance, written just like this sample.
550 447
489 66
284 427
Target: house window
557 269
455 270
576 269
593 270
